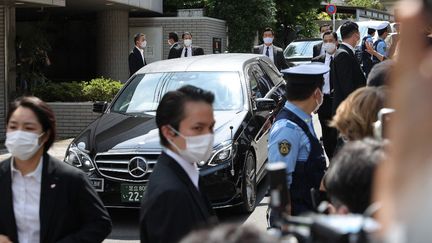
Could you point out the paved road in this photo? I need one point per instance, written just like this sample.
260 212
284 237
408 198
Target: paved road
125 221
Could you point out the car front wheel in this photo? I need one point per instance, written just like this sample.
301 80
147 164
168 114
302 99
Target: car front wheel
249 185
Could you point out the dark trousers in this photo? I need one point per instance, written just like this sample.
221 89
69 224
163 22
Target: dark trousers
329 134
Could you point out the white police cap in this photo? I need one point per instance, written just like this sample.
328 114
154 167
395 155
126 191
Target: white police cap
305 73
378 25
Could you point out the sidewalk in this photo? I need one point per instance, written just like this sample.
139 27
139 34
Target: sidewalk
58 149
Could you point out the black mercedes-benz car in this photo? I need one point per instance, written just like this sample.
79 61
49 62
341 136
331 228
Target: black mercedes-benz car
118 150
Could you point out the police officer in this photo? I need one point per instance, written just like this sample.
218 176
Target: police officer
292 136
366 58
379 47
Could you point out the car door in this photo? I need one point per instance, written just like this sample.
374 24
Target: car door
259 86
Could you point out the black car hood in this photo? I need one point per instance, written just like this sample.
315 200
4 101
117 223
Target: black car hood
114 132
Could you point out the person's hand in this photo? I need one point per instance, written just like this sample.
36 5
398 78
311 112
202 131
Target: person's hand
369 48
4 239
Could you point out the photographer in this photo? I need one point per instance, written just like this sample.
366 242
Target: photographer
349 178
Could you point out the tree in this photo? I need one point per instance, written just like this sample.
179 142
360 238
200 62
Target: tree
375 4
297 17
244 18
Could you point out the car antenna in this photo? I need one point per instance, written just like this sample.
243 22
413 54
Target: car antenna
232 157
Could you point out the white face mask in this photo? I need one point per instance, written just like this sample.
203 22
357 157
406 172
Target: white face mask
268 40
22 145
143 44
187 42
329 48
319 102
198 148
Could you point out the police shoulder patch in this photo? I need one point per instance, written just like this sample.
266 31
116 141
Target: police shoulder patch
284 147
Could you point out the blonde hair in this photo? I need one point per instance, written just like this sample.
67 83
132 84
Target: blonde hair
355 116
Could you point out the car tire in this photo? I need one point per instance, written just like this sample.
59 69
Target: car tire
249 184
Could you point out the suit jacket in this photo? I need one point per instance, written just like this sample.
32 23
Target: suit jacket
175 51
135 61
172 206
278 57
70 211
347 74
196 51
317 49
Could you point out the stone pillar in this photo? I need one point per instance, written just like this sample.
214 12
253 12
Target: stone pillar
112 44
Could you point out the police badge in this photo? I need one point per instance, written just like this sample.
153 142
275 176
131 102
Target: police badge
284 147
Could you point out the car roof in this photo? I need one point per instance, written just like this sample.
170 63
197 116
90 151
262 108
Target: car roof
213 62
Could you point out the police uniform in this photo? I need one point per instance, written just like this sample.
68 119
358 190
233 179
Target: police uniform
380 45
366 58
293 141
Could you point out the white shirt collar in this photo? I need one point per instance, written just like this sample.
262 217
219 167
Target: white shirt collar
191 169
36 174
350 46
139 49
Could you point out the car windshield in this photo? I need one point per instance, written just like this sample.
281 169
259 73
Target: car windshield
145 91
300 49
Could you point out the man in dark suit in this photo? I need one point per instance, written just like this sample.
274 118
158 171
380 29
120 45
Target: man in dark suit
347 74
175 48
189 50
317 49
175 202
273 52
136 57
70 210
329 134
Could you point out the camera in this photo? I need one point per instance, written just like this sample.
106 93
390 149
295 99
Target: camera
381 126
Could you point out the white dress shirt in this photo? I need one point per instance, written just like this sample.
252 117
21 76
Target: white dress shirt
189 48
349 46
191 169
326 87
142 53
26 200
270 48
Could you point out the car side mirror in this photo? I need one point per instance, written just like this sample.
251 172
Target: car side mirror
265 104
100 106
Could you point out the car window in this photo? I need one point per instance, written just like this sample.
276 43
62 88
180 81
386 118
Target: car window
276 79
300 49
260 82
145 91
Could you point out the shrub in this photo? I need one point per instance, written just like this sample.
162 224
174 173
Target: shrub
96 89
101 89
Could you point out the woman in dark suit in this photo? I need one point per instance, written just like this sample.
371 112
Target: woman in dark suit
43 199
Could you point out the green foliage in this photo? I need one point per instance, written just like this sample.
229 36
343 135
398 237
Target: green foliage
97 89
375 4
171 6
307 27
101 89
244 19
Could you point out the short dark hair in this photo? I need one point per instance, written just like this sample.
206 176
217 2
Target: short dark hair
382 31
380 73
326 25
371 31
299 92
43 112
173 35
329 32
348 29
349 178
268 29
171 107
186 33
137 37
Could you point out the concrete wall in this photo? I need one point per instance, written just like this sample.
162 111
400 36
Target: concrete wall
203 30
112 47
72 118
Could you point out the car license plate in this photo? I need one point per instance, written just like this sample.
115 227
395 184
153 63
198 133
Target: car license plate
132 192
97 183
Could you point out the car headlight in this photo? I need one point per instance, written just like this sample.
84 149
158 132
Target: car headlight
221 155
79 159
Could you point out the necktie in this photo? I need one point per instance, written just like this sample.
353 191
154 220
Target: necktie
330 76
186 52
267 52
